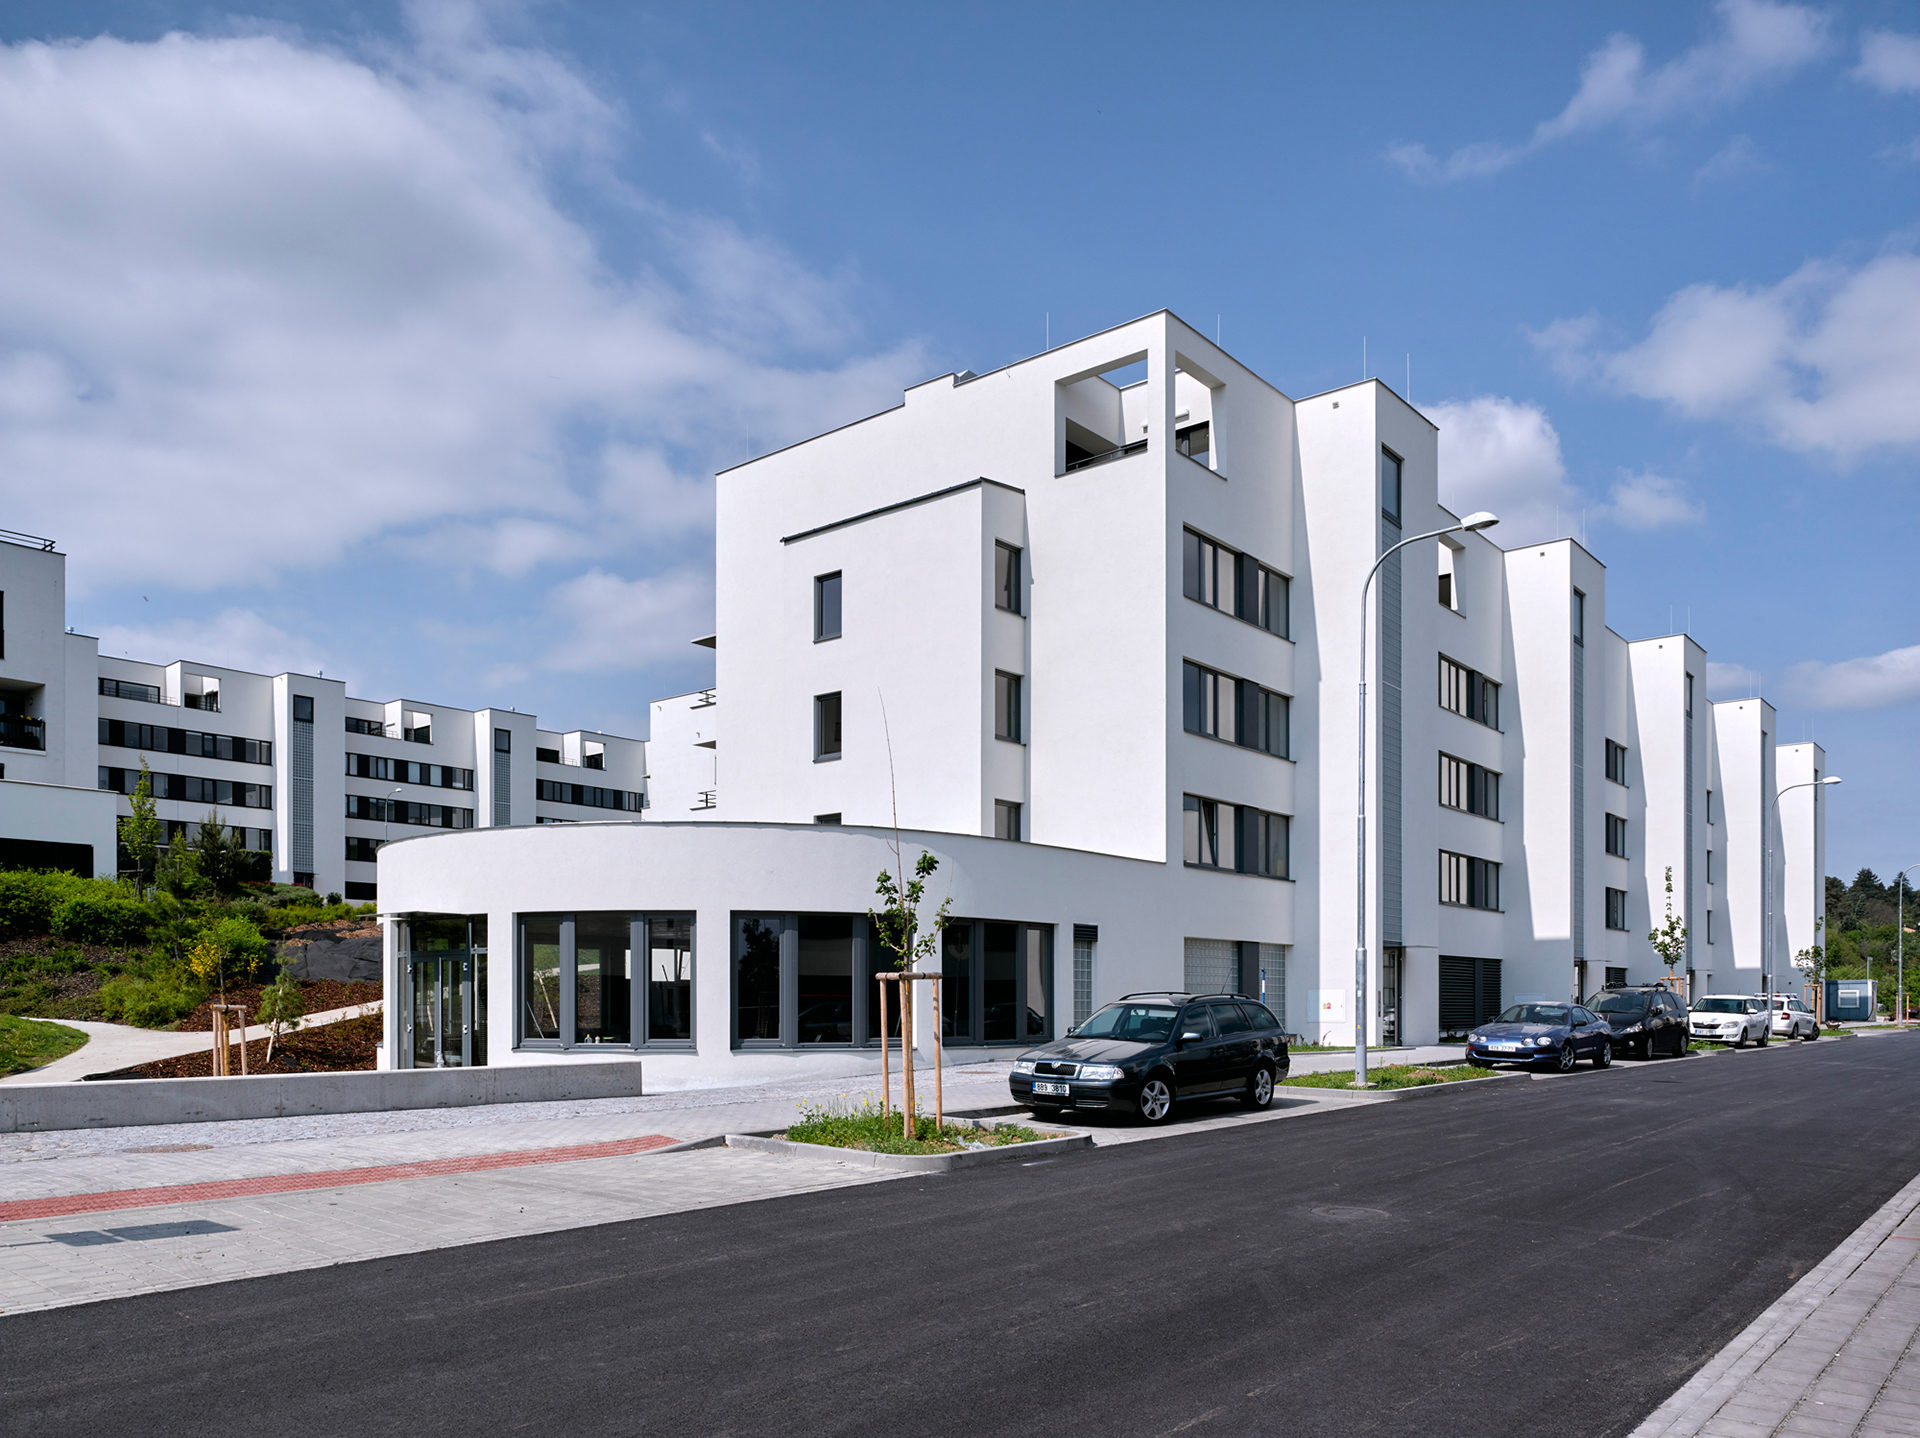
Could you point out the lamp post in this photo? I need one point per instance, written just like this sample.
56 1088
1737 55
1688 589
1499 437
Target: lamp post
386 820
1472 524
1766 874
1900 936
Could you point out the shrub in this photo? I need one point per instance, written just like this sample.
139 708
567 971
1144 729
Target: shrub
111 919
150 1000
27 901
245 946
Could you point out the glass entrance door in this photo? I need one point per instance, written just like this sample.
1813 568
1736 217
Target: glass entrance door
1391 962
441 1011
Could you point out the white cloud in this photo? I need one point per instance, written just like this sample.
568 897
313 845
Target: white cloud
1873 682
1504 455
231 639
270 301
1889 61
1757 42
1734 160
1827 360
1731 681
624 624
1649 501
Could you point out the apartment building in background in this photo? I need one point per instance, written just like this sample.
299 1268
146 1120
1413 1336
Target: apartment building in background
1089 629
300 770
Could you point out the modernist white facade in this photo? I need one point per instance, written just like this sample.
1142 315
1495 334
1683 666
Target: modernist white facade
303 771
1105 602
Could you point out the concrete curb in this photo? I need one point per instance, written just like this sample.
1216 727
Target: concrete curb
912 1162
1377 1095
1724 1374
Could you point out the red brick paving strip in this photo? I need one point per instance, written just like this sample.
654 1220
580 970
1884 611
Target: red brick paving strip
68 1204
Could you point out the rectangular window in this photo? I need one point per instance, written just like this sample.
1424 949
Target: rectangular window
1709 866
826 727
357 725
1235 583
1617 909
1006 706
1689 694
389 811
1710 806
1616 836
1709 925
1194 440
1006 819
581 985
1235 837
589 796
1006 578
1469 787
1467 882
362 850
1617 762
127 689
160 738
503 741
303 709
826 606
1468 693
1237 711
1390 471
1579 618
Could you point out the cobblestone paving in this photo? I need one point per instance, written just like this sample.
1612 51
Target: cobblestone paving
1834 1358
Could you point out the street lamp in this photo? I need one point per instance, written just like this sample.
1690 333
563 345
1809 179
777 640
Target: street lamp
1472 524
1766 875
386 817
1900 934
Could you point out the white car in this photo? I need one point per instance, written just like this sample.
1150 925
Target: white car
1735 1019
1792 1019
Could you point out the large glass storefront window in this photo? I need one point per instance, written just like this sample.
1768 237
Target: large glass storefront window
576 972
998 985
794 981
443 998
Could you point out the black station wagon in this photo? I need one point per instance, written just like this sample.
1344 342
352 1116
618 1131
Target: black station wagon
1147 1052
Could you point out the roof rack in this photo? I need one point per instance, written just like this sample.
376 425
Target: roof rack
1183 994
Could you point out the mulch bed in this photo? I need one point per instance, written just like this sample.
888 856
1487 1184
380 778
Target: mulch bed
331 1048
320 994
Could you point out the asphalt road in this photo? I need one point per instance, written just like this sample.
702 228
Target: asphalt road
1521 1257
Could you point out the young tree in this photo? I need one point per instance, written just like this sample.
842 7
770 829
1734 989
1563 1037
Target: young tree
898 919
1669 940
282 1007
140 832
219 851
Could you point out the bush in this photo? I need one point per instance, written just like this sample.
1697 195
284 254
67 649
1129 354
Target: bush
243 946
150 1000
113 919
27 902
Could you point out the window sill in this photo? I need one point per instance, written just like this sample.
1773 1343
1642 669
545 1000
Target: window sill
1236 873
825 638
1243 748
1470 908
1018 743
1229 614
1016 613
1471 814
826 758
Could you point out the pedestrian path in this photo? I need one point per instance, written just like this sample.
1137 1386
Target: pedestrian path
119 1046
1835 1356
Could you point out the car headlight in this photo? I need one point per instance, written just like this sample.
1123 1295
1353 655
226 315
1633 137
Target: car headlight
1543 1042
1104 1072
1023 1066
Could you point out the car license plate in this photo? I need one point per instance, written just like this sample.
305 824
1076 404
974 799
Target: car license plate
1057 1090
1504 1048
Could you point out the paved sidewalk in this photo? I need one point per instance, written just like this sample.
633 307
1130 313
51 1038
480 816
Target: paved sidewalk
1835 1356
118 1046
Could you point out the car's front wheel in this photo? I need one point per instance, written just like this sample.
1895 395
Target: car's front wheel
1741 1042
1567 1058
1766 1035
1155 1103
1603 1056
1259 1090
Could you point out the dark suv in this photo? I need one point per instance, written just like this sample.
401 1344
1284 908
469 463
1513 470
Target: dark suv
1147 1051
1646 1019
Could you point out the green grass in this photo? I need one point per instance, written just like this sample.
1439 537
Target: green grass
869 1129
29 1043
1390 1076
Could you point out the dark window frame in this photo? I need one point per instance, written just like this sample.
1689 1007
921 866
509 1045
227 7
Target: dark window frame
1009 578
1009 706
829 592
639 995
1258 594
1201 686
828 716
1399 470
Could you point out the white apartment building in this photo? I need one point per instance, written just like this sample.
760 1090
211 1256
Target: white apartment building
317 779
1088 629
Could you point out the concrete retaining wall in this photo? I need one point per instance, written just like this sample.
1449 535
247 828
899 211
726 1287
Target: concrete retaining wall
117 1103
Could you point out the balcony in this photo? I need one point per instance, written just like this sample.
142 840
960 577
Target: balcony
17 731
1087 461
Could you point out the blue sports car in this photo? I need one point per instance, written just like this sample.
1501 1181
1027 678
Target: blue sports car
1556 1034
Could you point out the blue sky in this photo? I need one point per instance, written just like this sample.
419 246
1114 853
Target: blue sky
401 342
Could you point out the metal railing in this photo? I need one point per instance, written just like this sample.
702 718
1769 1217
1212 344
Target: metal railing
1137 447
18 731
26 541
